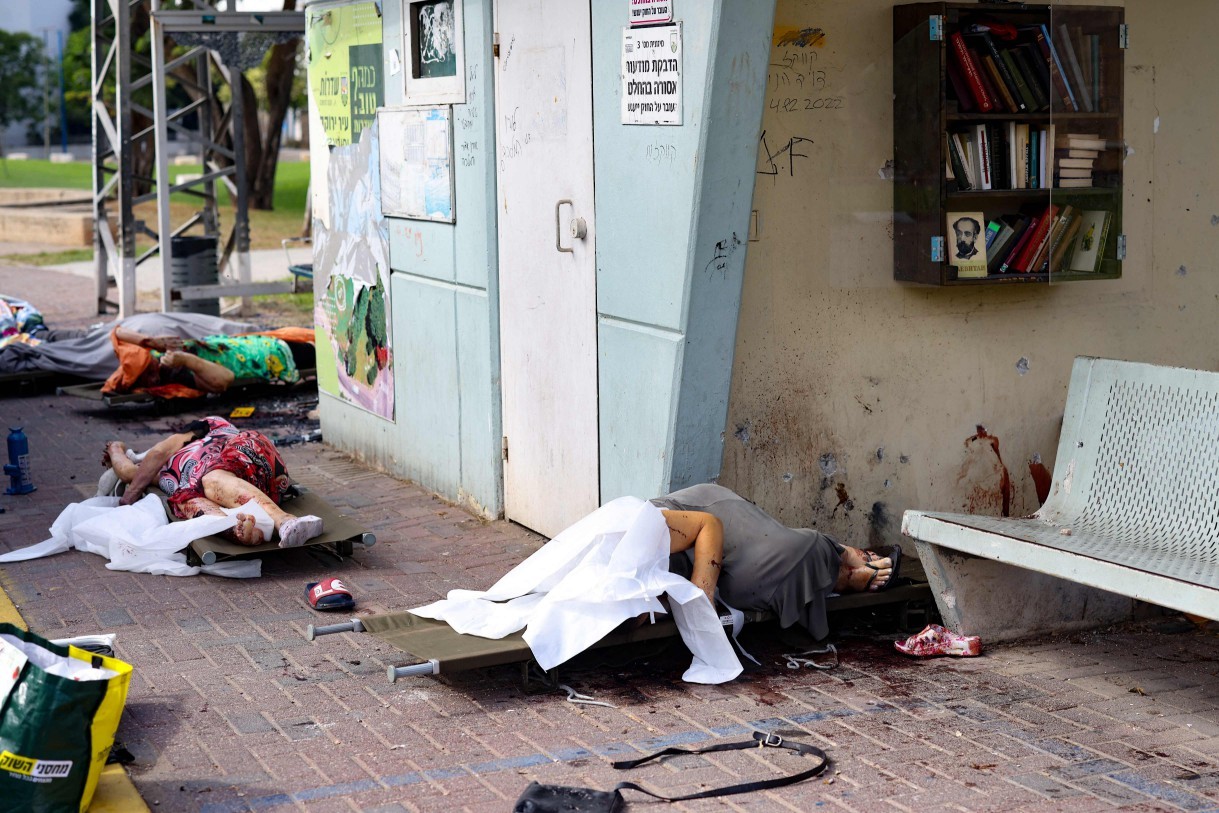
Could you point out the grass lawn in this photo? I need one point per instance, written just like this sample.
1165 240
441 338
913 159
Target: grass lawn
266 228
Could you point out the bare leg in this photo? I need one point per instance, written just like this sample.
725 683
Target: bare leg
210 376
229 491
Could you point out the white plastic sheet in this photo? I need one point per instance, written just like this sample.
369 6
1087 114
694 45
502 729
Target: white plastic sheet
610 566
137 538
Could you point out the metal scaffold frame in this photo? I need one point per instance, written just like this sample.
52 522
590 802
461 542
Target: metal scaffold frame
201 32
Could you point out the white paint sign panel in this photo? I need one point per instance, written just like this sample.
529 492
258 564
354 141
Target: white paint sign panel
647 12
651 75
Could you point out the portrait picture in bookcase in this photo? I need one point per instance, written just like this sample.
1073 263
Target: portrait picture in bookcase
967 243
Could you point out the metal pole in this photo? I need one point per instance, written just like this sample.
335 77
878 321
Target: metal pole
432 667
126 276
101 252
354 625
241 224
161 141
46 93
63 105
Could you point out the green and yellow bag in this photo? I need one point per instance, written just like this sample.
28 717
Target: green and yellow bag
59 710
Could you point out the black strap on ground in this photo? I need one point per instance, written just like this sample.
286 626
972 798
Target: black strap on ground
760 740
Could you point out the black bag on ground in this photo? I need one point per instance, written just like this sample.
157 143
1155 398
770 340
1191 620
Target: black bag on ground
539 798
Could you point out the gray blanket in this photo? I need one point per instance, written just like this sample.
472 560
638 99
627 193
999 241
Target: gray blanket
91 356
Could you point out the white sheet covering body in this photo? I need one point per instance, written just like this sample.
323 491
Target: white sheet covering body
137 538
610 566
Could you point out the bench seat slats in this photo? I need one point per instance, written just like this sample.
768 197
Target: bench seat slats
1175 564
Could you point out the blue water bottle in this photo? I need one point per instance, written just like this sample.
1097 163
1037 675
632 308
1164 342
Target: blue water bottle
18 467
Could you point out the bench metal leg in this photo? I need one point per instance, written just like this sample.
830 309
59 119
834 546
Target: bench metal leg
353 625
432 667
999 602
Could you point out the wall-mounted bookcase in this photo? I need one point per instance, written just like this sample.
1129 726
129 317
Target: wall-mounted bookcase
1007 119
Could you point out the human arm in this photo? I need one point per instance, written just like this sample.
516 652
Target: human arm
161 343
151 465
705 534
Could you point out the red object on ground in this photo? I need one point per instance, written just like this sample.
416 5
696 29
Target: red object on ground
329 594
936 640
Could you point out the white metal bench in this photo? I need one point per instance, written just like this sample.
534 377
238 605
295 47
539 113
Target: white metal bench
1133 511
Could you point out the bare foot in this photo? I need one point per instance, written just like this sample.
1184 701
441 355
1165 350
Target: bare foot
112 448
245 531
870 577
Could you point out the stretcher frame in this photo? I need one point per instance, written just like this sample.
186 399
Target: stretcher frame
342 534
24 382
434 642
92 391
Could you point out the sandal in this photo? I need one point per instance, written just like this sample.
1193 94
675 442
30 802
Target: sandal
329 594
936 640
894 555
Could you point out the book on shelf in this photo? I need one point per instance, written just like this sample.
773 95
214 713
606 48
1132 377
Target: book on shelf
1077 75
1074 153
1018 246
1059 253
1034 152
1089 244
1071 141
1065 162
1074 172
1074 183
958 154
1041 70
987 82
1046 165
1022 90
992 231
1045 42
982 157
1041 261
1022 156
971 72
1010 229
1097 72
1005 95
1024 71
1083 49
1005 79
1036 243
960 87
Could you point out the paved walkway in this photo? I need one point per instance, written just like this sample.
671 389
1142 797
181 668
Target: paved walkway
231 709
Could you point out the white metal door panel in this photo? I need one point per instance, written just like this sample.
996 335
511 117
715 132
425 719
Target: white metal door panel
548 300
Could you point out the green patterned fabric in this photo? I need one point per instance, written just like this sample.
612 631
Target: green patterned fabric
261 357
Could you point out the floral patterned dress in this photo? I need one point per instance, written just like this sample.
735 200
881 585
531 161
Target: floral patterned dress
248 454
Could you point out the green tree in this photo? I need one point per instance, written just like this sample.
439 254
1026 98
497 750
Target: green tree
21 67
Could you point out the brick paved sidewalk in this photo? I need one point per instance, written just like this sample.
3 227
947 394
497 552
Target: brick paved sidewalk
232 710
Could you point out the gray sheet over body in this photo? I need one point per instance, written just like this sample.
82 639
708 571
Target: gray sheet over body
767 566
92 356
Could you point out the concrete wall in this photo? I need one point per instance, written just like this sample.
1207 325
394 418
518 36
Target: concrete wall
672 218
444 309
855 397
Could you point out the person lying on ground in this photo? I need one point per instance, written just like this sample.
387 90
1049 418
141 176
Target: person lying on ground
211 465
720 539
169 366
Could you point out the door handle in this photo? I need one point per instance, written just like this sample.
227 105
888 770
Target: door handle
558 230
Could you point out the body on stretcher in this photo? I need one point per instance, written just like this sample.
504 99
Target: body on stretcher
93 390
445 651
342 534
